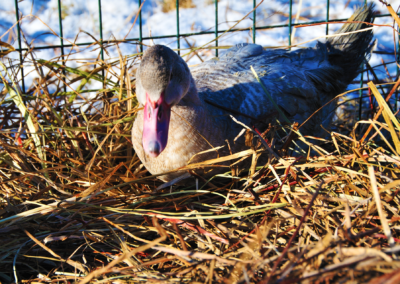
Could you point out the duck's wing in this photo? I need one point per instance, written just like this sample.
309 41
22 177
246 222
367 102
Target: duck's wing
299 82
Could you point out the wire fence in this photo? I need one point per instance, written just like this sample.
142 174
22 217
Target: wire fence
290 25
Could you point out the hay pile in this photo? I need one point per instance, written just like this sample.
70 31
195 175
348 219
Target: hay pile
77 205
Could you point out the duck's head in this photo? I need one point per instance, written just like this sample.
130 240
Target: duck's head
162 80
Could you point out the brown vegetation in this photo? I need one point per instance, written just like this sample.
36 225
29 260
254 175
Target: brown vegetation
77 205
170 5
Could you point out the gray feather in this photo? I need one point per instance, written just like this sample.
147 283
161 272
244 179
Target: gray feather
299 81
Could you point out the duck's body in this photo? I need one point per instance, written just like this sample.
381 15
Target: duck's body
300 82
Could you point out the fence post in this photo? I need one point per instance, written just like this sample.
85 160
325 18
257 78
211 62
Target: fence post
327 17
19 46
140 26
254 21
361 85
177 27
61 41
290 23
216 27
397 67
101 42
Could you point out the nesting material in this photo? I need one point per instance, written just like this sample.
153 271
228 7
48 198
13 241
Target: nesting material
77 204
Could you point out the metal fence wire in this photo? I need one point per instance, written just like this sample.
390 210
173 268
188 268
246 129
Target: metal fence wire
253 28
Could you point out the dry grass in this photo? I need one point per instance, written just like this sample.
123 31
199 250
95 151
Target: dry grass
77 205
170 5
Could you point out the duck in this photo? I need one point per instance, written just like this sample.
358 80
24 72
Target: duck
185 113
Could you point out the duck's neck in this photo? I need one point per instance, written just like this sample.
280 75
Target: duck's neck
192 97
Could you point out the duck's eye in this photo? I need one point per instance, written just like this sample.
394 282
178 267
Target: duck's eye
160 112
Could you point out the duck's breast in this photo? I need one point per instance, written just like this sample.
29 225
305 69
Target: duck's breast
191 131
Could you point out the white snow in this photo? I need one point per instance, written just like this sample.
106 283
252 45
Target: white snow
81 23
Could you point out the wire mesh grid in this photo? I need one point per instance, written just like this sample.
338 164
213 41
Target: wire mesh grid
178 35
84 215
